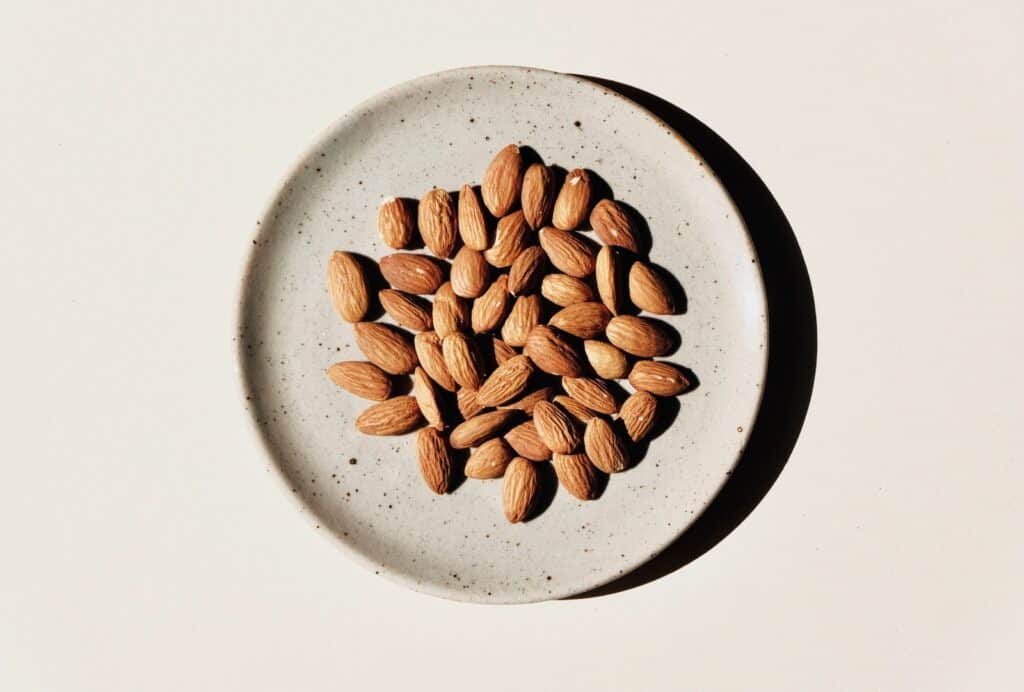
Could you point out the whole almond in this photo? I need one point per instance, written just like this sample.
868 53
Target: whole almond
576 474
583 320
641 336
663 379
481 427
395 416
489 309
472 220
573 201
592 393
605 448
614 225
511 237
408 310
451 313
412 273
650 290
435 459
527 402
538 195
575 409
552 352
395 222
638 414
489 460
506 383
470 273
503 180
431 357
346 284
606 360
610 279
387 347
519 489
556 428
467 403
462 357
437 222
526 441
527 271
524 316
362 379
568 252
563 290
426 397
502 351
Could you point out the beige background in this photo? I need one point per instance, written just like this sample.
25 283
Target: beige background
146 546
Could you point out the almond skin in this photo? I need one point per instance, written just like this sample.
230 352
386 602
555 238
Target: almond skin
437 222
583 320
538 195
365 380
489 309
552 352
638 414
462 358
528 402
346 284
610 279
470 273
481 427
511 237
387 347
592 393
451 313
467 403
472 220
663 379
426 398
506 383
565 290
395 222
573 202
650 290
606 360
409 311
502 351
641 336
412 273
568 252
489 460
604 447
575 409
503 181
431 358
576 474
527 271
435 459
525 440
524 316
395 416
519 489
556 428
614 225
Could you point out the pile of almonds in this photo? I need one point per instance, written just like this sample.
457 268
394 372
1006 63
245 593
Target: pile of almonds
529 327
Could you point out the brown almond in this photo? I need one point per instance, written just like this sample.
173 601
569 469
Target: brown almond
395 222
524 439
511 237
451 313
604 447
503 180
489 309
606 360
481 427
437 222
611 279
468 406
583 320
573 201
614 225
506 383
362 379
435 459
412 273
527 271
638 414
346 284
575 409
472 220
470 273
387 347
538 195
576 474
395 416
408 310
592 393
564 290
527 402
524 316
519 489
663 379
556 428
431 357
462 357
568 252
489 460
641 336
502 351
426 397
552 352
650 290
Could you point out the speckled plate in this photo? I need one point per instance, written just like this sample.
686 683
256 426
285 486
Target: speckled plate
442 130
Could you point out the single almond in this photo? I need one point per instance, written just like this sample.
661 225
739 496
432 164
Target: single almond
362 379
470 273
604 447
489 460
524 316
576 474
426 397
387 347
538 195
472 220
346 284
575 409
556 428
638 414
519 489
395 222
610 279
524 439
502 351
583 320
506 383
592 393
451 313
614 225
431 357
553 352
466 400
527 402
462 357
573 201
395 416
489 309
481 427
435 459
412 273
437 222
650 290
527 271
606 360
641 336
563 290
405 309
663 379
568 252
511 237
503 180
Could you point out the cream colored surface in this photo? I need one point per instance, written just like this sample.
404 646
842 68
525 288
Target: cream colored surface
145 547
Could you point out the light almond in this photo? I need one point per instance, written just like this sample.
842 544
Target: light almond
426 397
650 290
573 201
641 336
524 316
363 379
490 308
556 428
462 357
489 460
346 284
472 220
435 459
387 347
431 358
604 447
568 252
526 441
576 474
450 313
638 414
437 222
614 225
606 360
592 393
396 222
405 309
481 427
506 383
656 377
470 273
609 275
503 181
395 416
563 290
553 352
538 197
583 320
412 273
511 237
519 489
467 403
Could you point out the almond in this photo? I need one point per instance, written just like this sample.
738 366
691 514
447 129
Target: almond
472 220
506 383
606 360
451 313
614 225
573 201
641 336
502 351
575 408
592 393
538 195
556 428
395 416
663 379
490 308
396 222
346 284
552 352
409 311
431 357
650 290
563 290
524 316
481 427
527 403
467 403
524 439
435 459
470 273
569 252
503 181
412 273
426 398
576 474
610 279
511 237
387 347
583 320
437 222
362 379
638 415
519 489
489 460
527 271
605 448
463 360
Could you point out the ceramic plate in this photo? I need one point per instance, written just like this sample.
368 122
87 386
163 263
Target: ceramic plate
442 130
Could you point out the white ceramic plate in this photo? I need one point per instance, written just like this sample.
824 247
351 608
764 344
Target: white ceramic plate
442 130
